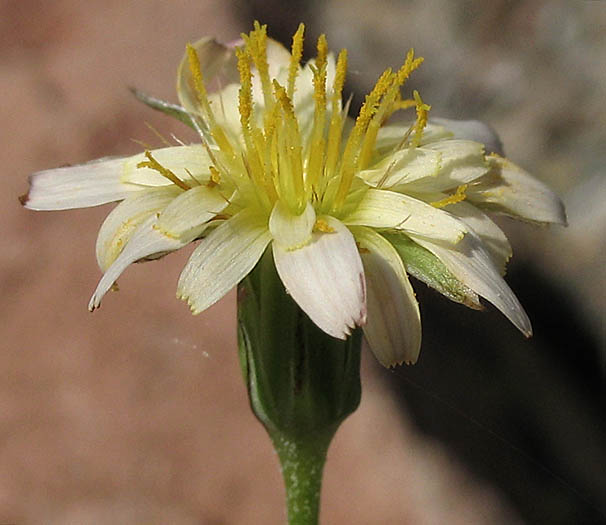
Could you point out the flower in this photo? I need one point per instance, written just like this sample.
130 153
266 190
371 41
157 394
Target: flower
350 208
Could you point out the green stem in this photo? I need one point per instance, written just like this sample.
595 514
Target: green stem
302 467
302 383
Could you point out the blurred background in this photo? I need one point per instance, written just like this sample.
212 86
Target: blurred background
138 414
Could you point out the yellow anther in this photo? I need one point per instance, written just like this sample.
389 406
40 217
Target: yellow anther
295 59
196 72
336 119
371 101
410 64
165 172
256 45
245 96
319 78
271 121
348 162
317 143
322 226
458 196
289 147
284 101
390 102
322 49
340 73
421 122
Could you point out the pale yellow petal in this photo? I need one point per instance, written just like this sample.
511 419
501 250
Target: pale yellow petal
97 182
510 190
223 259
326 279
291 231
391 210
393 327
190 210
125 218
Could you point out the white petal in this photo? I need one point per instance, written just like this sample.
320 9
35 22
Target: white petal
388 209
191 209
473 130
490 234
393 328
461 162
183 161
291 231
471 264
391 136
405 166
125 218
90 184
511 190
326 279
223 259
145 242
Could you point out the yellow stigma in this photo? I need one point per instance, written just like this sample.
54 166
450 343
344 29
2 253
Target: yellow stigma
317 143
389 103
165 172
335 129
458 196
295 58
256 45
419 126
216 131
348 161
245 96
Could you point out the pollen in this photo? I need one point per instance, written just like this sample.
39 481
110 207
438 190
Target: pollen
322 226
422 110
458 196
295 59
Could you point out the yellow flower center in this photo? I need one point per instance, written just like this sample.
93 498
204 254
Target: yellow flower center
275 160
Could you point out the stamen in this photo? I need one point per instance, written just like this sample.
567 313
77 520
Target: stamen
369 108
336 119
196 73
457 196
316 146
245 95
295 59
419 126
256 45
410 64
289 144
215 130
165 172
387 107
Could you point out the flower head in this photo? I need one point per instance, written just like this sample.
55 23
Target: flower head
350 208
